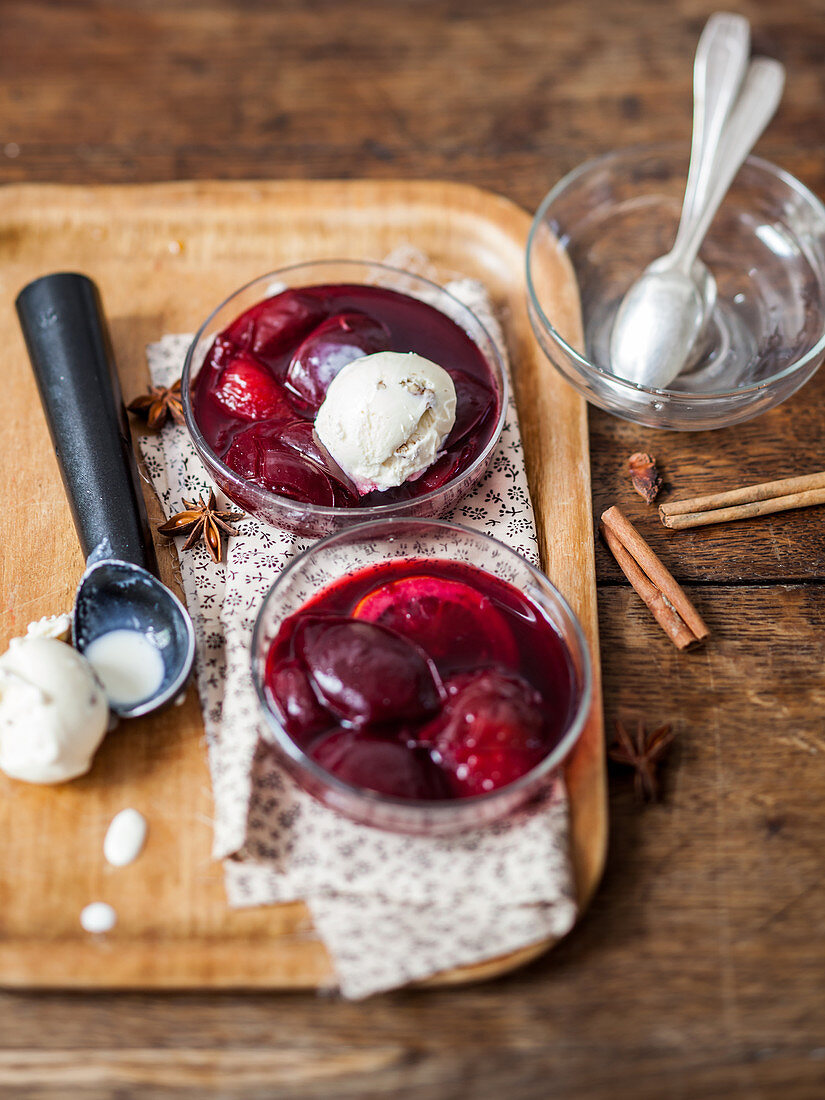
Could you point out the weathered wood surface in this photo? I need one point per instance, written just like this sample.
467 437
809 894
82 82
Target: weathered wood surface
699 970
786 441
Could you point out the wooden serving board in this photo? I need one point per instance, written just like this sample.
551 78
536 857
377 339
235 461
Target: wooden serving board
164 255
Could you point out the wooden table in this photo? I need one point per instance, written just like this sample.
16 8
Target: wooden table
700 969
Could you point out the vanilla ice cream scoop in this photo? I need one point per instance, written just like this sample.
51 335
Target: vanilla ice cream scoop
385 418
53 711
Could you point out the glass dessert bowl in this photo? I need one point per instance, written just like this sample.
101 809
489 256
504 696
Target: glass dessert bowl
258 371
610 217
419 676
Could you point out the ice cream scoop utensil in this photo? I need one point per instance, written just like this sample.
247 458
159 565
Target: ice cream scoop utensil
68 343
663 314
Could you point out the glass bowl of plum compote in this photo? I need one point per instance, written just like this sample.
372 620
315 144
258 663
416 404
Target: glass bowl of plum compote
257 373
419 676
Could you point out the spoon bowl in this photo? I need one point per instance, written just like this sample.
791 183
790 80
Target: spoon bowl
118 595
664 313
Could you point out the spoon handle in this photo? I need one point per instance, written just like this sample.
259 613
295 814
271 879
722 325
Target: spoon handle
718 71
71 354
753 110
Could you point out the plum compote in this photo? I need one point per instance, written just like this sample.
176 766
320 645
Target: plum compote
422 679
266 375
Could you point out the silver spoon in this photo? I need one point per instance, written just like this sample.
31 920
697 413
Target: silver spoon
718 71
659 321
68 344
719 68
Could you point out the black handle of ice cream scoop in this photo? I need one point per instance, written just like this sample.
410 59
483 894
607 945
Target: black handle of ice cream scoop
71 353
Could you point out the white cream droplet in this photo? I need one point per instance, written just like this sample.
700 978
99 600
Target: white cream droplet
130 668
98 917
125 837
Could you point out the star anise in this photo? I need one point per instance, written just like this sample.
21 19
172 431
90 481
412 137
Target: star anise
643 752
201 520
158 404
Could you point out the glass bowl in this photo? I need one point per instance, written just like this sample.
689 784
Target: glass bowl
368 544
317 520
766 248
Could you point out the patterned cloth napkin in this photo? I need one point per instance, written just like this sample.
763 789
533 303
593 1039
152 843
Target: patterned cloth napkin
390 909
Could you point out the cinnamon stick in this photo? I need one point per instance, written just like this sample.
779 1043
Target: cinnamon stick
661 592
664 614
744 503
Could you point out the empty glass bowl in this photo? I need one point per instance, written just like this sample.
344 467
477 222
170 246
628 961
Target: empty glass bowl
370 544
766 249
312 519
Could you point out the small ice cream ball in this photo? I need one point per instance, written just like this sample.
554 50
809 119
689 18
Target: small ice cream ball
385 418
53 711
125 837
51 626
98 917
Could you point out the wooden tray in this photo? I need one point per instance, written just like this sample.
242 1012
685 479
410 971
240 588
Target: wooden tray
164 255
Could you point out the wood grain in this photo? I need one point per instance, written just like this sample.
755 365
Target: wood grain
698 970
174 929
508 97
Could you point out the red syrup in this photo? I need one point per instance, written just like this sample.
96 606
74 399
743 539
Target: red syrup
265 377
422 679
